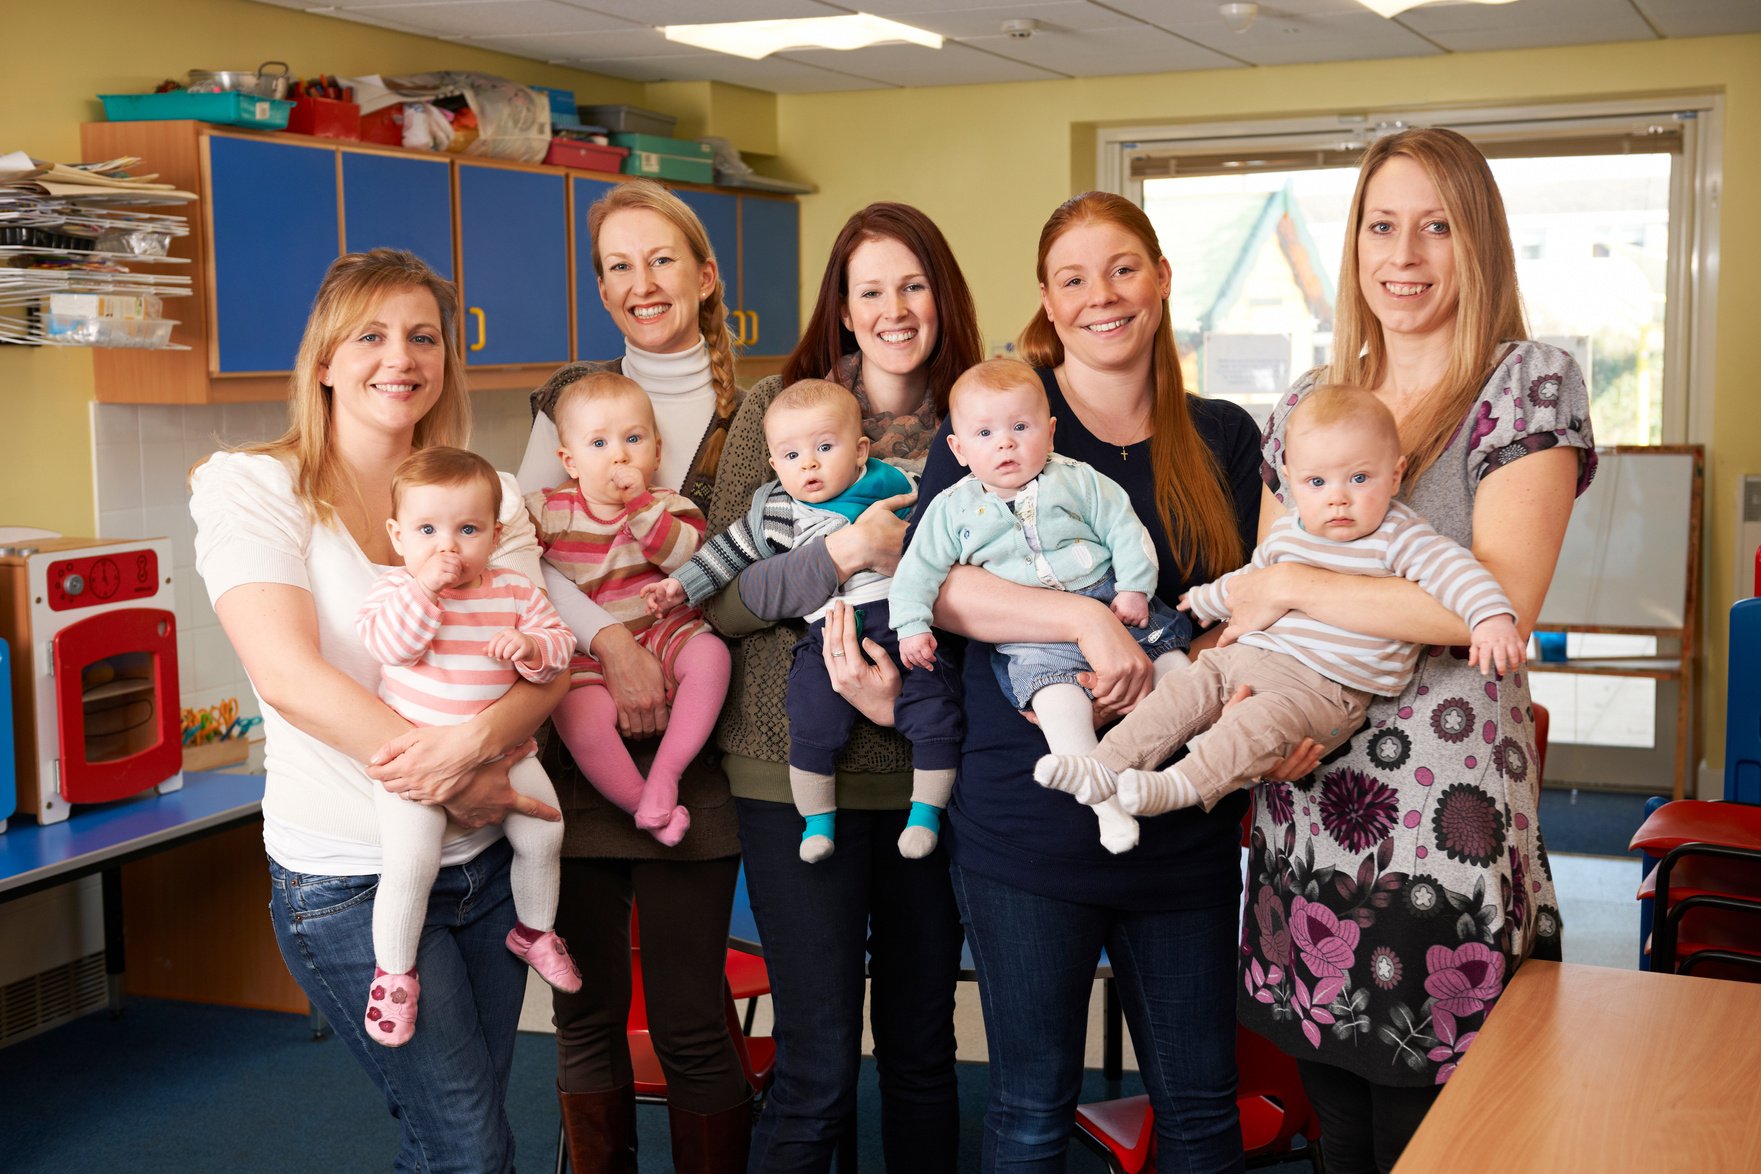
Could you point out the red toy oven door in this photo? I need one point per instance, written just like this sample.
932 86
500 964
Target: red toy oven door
116 704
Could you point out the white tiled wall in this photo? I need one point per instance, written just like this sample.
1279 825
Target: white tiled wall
142 458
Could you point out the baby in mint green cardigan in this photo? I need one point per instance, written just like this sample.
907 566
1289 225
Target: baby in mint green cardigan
1043 520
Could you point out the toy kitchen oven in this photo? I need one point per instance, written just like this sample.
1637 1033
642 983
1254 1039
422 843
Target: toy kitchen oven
94 670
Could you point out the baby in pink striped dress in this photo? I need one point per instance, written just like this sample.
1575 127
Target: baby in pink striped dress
451 632
613 532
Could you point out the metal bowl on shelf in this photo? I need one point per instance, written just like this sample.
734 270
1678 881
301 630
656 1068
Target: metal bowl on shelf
260 81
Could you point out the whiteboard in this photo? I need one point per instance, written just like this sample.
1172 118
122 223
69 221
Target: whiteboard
1625 559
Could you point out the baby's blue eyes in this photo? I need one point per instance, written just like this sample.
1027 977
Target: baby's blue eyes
1360 478
827 446
425 528
468 530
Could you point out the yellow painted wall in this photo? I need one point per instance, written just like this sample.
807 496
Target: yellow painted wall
56 62
989 163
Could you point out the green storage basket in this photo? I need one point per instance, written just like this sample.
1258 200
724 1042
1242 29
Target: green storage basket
229 108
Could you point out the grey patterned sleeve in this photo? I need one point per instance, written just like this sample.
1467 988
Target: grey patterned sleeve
1537 399
790 584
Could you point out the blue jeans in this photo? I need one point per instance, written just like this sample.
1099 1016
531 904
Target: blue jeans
820 923
447 1087
1036 960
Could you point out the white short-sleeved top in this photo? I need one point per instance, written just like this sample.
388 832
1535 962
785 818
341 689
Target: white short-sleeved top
250 528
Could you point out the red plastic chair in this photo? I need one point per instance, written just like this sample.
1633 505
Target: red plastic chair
1711 868
1274 1112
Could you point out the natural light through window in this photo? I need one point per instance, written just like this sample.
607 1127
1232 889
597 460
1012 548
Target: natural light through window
1256 264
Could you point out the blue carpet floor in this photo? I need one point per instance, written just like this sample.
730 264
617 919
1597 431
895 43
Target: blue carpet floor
1592 823
180 1087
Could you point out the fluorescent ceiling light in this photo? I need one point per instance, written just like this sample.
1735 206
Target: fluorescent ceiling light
760 38
1389 9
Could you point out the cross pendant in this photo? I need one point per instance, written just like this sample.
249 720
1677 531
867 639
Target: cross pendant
1123 455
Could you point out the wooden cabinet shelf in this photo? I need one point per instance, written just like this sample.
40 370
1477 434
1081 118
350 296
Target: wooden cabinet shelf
275 209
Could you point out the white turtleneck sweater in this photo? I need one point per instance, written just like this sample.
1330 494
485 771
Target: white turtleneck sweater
679 387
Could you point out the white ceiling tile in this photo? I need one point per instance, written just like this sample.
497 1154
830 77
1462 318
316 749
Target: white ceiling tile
913 65
1276 39
612 43
1104 52
492 18
1179 14
985 19
1597 20
772 74
659 12
1527 36
1702 18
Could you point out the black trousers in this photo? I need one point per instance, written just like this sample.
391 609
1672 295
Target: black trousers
683 905
1364 1126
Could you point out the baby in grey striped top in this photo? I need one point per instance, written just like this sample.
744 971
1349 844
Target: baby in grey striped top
1343 462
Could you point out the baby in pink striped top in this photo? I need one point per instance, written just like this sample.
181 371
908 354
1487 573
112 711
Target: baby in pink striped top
613 532
451 633
1309 679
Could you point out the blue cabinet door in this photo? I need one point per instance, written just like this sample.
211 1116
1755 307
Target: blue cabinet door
514 265
770 274
721 218
596 337
273 208
400 203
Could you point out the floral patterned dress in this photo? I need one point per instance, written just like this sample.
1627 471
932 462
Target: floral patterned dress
1392 893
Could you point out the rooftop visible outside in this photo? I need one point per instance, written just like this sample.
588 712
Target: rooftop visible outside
1256 269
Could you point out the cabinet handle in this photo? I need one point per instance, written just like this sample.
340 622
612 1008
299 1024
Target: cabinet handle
482 328
739 317
753 341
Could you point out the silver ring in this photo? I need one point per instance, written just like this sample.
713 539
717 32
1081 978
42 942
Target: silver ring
836 652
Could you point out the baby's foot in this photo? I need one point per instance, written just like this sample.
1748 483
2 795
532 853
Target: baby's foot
1118 830
659 805
546 953
1152 792
391 1008
1077 774
673 828
922 831
819 840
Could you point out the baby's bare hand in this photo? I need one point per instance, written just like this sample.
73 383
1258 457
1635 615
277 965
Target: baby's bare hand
1497 646
919 651
1132 608
627 481
441 571
663 596
513 646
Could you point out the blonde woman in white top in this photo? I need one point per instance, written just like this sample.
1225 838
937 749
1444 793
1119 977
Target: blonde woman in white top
290 535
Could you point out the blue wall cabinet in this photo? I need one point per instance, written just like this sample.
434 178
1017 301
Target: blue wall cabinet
513 265
758 244
770 274
398 202
595 335
273 209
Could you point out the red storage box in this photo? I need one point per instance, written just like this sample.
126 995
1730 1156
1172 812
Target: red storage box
328 118
384 125
588 156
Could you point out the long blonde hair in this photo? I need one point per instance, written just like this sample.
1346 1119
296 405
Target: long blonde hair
354 284
1489 309
712 311
1195 508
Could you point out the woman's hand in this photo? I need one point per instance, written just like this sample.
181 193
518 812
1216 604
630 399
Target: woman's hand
874 541
487 797
634 678
1257 599
869 683
1121 673
1299 763
428 764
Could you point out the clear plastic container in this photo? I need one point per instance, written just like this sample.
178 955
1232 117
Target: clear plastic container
81 330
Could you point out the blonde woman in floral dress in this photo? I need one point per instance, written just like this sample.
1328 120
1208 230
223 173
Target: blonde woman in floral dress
1393 892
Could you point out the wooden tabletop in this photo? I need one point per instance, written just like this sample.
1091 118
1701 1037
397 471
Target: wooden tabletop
1587 1068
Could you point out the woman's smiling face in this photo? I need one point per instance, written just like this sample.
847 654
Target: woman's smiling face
650 282
889 306
1405 254
386 374
1104 295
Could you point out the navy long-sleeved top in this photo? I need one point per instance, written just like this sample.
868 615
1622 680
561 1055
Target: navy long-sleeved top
1004 825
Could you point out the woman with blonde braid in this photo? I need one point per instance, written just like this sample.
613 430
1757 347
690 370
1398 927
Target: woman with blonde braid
662 287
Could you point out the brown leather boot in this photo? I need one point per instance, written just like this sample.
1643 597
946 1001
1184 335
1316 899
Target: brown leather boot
601 1130
711 1143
